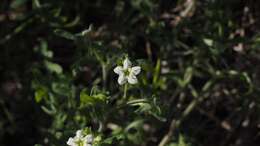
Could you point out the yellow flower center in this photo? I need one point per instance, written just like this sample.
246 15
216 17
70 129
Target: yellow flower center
127 71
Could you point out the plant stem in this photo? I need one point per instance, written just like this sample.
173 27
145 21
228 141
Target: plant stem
104 75
125 91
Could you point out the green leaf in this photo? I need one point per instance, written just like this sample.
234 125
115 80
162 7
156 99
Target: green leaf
110 140
193 91
188 75
51 111
36 4
148 106
86 99
64 34
208 42
207 85
135 125
181 141
44 50
186 78
40 94
53 67
157 70
100 97
61 88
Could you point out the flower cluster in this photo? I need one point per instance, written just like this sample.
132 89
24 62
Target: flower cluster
81 140
127 73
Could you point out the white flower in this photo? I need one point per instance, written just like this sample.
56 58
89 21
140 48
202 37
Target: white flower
75 140
89 138
72 142
79 134
80 139
127 73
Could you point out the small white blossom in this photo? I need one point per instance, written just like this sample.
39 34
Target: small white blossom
79 134
127 73
89 138
75 140
71 142
80 139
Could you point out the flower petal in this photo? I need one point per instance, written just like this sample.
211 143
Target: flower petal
127 63
121 79
118 70
79 134
135 70
71 142
89 138
132 79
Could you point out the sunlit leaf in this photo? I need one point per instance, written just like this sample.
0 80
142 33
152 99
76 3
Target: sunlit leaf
53 67
40 94
208 42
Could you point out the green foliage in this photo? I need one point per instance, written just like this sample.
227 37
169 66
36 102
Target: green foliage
86 99
199 80
181 142
40 94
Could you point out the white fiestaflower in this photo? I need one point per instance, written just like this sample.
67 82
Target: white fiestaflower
127 73
80 139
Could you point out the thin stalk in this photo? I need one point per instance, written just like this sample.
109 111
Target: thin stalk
125 91
104 75
103 66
